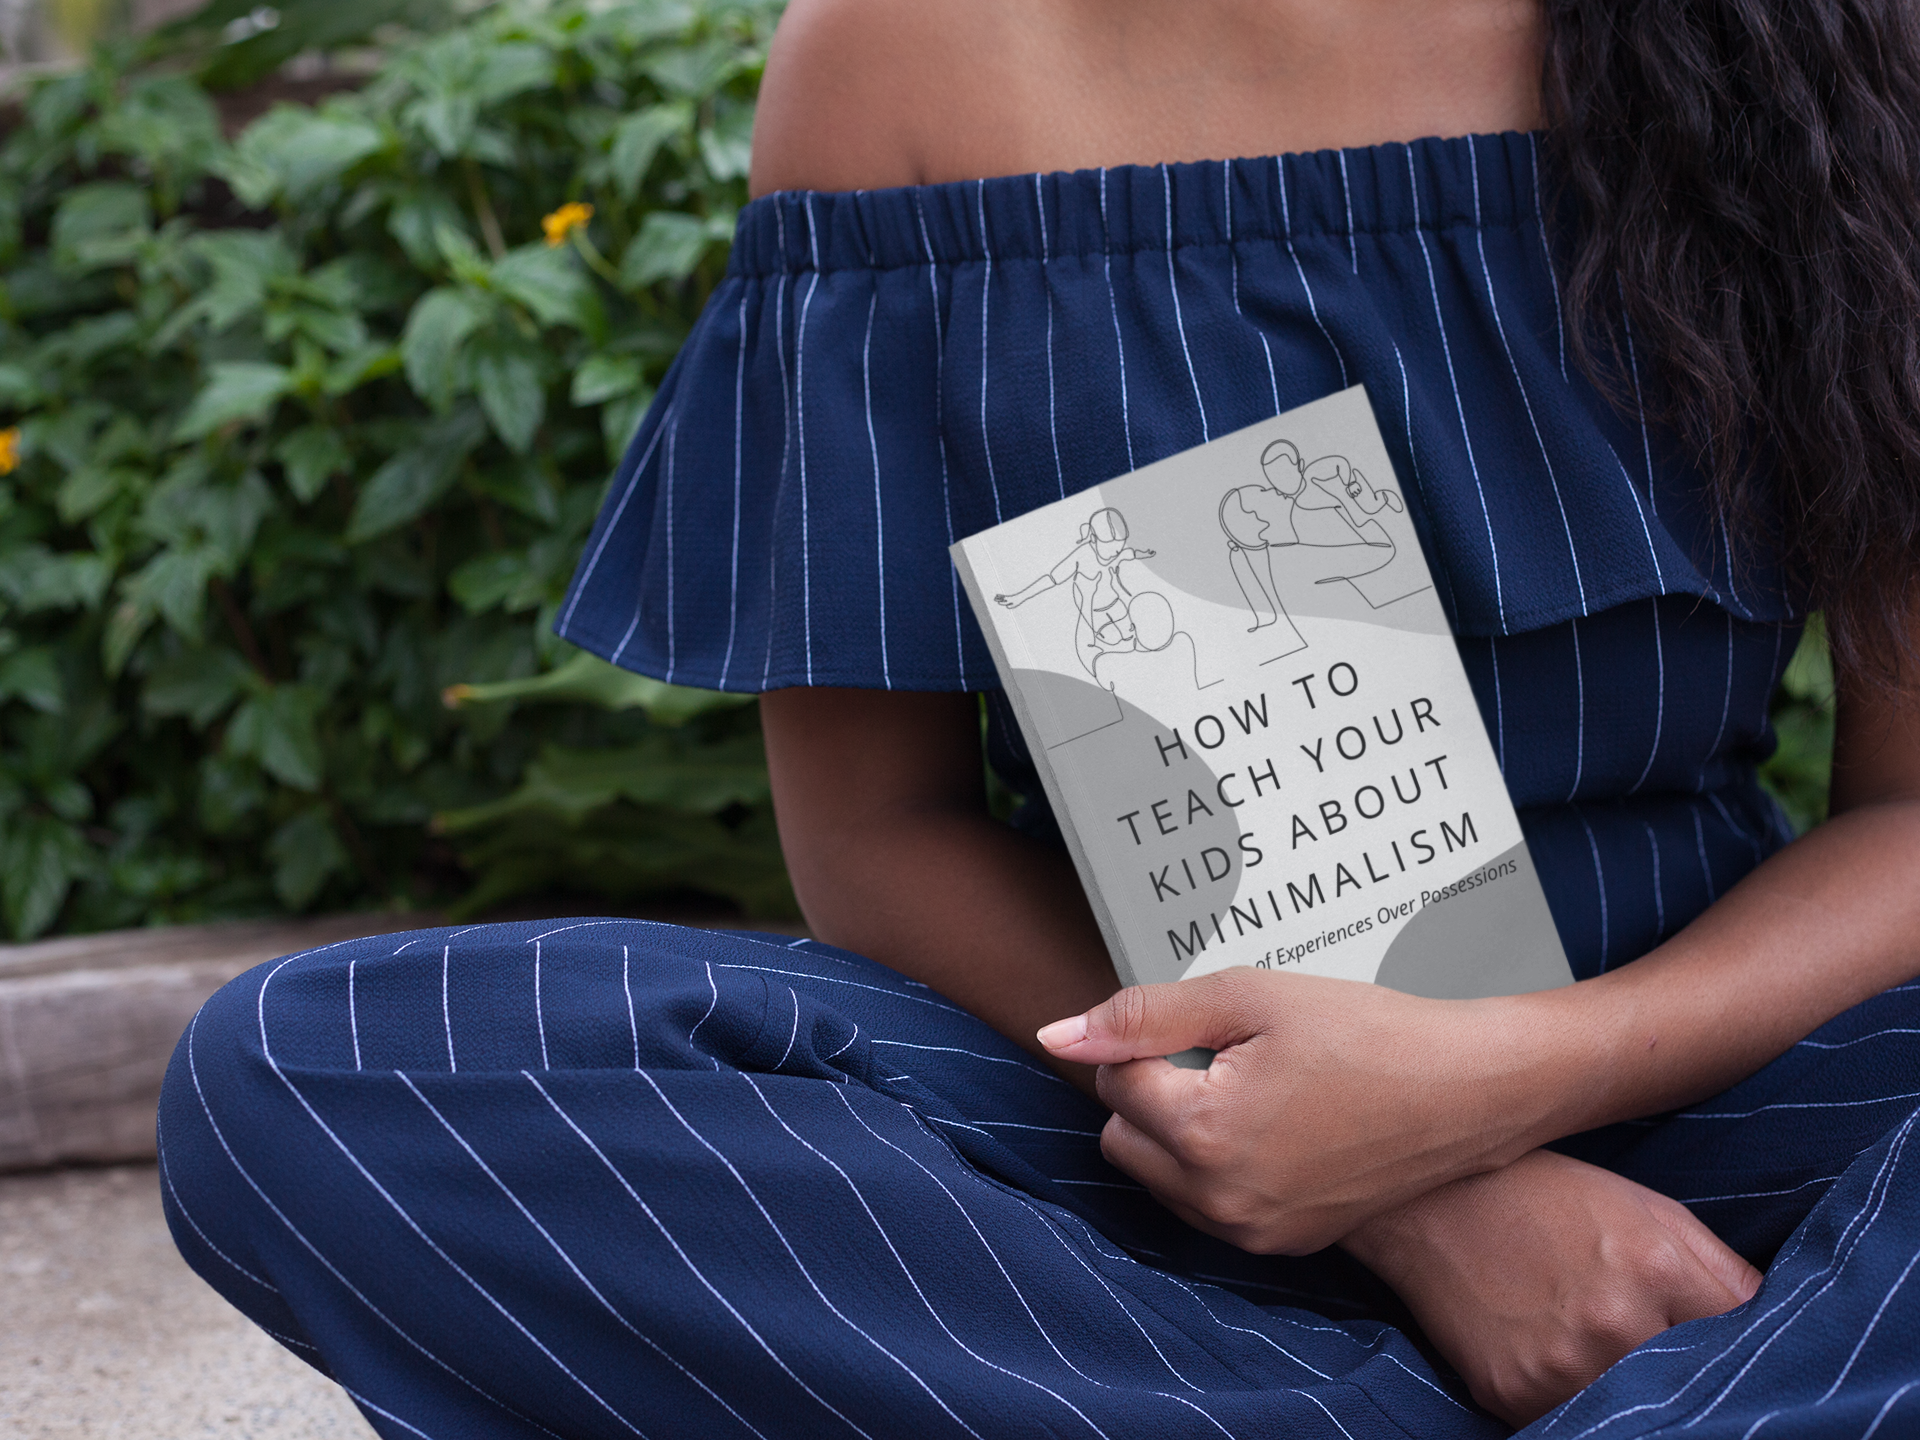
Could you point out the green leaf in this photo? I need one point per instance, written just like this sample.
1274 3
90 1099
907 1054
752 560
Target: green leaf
601 377
1809 674
125 627
463 257
305 853
430 346
86 490
638 139
245 263
512 69
726 146
230 791
548 280
668 247
484 581
69 799
1799 774
694 70
101 224
40 858
277 730
507 378
33 676
173 585
236 390
186 511
36 578
445 120
197 683
416 220
166 122
312 456
620 418
525 487
587 679
291 151
19 390
373 361
416 477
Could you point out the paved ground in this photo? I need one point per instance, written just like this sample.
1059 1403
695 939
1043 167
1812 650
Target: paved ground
106 1335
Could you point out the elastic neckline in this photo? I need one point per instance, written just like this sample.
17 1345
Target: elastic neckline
1343 195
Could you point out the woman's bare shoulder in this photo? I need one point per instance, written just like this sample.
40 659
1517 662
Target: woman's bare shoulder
863 94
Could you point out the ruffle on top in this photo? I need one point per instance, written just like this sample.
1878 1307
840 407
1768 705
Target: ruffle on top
881 373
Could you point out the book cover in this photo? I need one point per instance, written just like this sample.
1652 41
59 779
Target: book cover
1247 709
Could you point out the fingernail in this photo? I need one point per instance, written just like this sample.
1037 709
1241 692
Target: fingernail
1064 1033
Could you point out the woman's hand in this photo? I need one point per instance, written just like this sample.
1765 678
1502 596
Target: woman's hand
1329 1102
1533 1279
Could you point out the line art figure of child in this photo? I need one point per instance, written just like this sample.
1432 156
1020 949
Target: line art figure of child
1325 516
1101 599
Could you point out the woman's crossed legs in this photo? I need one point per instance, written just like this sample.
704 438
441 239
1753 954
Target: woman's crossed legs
607 1177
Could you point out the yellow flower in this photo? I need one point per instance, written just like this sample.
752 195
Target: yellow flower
563 222
9 449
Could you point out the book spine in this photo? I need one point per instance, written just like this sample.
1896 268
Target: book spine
980 597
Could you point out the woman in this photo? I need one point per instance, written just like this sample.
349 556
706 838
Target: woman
609 1178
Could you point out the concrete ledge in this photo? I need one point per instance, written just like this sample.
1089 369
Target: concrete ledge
87 1024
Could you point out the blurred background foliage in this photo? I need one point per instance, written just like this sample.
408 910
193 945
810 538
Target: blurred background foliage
302 425
1799 771
303 429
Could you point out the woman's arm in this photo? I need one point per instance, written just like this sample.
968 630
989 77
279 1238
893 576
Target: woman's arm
1339 1101
882 808
1531 1276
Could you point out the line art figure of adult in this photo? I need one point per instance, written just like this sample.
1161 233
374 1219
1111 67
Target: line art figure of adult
1326 516
1101 598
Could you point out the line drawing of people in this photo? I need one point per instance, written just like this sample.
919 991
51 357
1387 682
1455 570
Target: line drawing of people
1101 598
1159 659
1325 505
1336 488
1257 519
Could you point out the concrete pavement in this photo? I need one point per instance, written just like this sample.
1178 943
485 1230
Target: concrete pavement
106 1335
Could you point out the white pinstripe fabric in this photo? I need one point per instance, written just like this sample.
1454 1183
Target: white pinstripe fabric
1703 1371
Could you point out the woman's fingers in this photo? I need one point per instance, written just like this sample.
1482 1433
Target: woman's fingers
1129 1148
1535 1278
1726 1270
1154 1098
1150 1020
1321 1106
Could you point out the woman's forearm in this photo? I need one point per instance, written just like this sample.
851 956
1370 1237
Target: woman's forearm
883 820
1821 926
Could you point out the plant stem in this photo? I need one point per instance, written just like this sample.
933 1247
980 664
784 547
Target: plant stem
483 209
242 631
596 262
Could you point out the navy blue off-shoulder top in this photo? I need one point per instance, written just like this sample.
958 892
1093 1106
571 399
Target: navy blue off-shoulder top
883 372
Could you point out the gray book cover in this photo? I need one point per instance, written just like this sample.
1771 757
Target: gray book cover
1246 706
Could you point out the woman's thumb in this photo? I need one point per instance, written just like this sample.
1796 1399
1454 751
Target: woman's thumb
1142 1021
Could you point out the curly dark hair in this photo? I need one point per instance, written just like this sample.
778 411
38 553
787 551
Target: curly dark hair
1744 178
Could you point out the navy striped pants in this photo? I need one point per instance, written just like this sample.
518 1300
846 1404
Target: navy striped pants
611 1178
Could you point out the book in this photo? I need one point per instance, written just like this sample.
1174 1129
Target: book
1247 708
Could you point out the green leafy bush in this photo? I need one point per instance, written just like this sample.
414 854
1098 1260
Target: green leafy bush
307 427
1800 769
